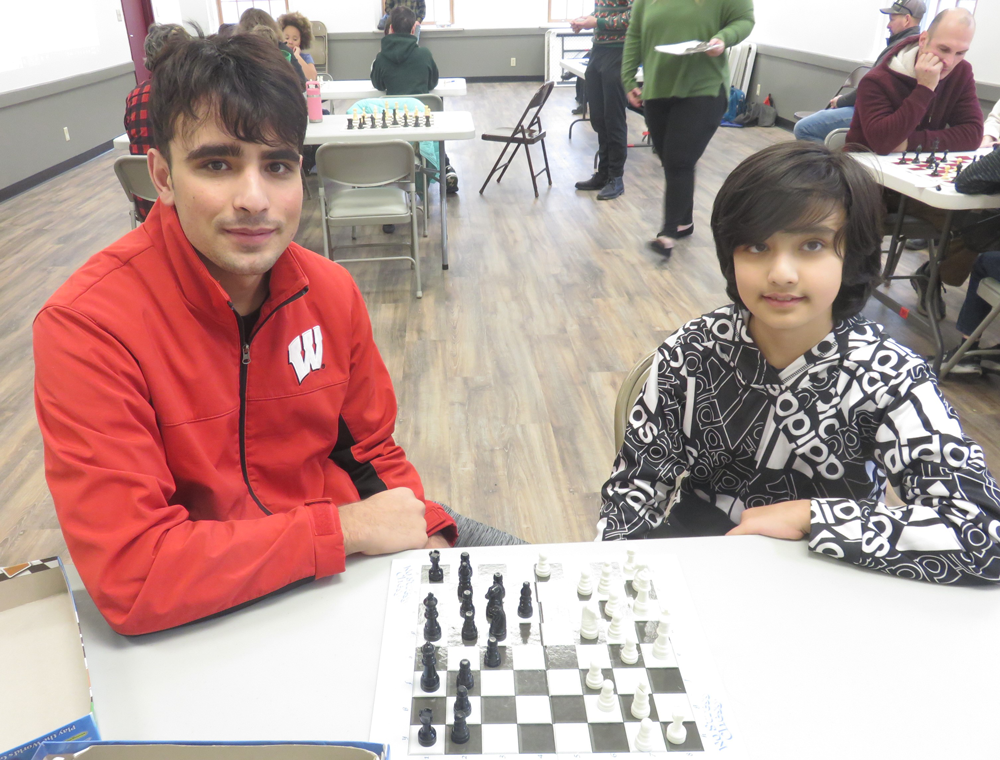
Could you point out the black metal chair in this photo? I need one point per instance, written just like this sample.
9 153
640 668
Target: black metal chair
528 132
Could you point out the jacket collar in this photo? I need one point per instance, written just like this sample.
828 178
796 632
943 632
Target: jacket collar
198 287
913 31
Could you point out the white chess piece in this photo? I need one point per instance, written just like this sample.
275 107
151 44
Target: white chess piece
640 606
542 569
614 603
617 629
640 701
641 578
629 569
604 585
644 739
630 652
676 733
595 678
588 621
607 700
661 647
585 587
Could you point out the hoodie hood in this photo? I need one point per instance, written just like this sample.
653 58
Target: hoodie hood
398 48
904 61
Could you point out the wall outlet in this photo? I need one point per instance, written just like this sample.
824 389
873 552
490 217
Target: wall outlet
513 62
66 133
758 88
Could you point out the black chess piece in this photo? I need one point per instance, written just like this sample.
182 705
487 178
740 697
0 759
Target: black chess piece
469 631
432 628
467 602
464 575
460 730
385 123
427 736
427 122
373 121
916 154
494 595
498 581
430 680
493 658
362 121
903 159
524 607
350 122
435 574
498 623
395 116
462 705
465 675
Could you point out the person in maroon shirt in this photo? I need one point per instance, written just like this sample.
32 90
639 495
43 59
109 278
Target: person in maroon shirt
922 96
137 102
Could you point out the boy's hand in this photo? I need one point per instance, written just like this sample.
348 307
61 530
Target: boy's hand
635 97
790 520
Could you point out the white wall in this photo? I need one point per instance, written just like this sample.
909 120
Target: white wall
984 55
851 29
80 36
362 15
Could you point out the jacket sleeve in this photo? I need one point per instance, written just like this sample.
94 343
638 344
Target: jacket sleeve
885 127
365 447
378 73
432 74
145 562
848 99
738 22
965 124
632 51
949 529
992 125
420 10
652 459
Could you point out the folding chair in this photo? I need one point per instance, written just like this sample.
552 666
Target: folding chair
376 186
527 132
989 291
133 173
851 83
836 139
317 48
628 393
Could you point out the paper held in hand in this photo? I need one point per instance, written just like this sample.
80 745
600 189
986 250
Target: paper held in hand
685 48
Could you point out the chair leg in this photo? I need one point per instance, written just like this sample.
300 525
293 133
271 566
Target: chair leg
531 169
326 227
492 171
415 239
545 156
427 202
517 147
354 233
131 216
976 334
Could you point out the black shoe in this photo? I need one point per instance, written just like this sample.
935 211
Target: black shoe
451 180
388 229
675 233
916 244
614 188
990 363
580 110
596 182
919 283
967 365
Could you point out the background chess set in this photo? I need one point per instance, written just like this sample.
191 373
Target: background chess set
921 173
537 701
394 119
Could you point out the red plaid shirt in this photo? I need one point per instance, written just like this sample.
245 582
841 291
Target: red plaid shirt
139 138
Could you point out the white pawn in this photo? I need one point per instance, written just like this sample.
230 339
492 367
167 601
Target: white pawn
676 733
644 739
595 678
614 603
588 621
641 578
542 569
607 701
630 652
661 647
629 569
604 585
585 587
640 701
616 629
641 604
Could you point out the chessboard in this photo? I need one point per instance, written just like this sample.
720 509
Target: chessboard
390 119
938 168
578 640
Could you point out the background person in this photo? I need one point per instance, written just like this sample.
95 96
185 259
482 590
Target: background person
256 21
297 31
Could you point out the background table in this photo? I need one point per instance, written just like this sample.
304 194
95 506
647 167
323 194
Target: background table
447 125
819 658
356 89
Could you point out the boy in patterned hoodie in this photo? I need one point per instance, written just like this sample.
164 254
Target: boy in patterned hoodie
787 413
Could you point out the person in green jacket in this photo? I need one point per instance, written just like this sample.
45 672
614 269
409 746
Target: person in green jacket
683 96
403 68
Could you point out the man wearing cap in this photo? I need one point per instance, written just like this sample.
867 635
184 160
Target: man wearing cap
904 22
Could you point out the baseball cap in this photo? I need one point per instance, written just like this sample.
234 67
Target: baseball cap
915 8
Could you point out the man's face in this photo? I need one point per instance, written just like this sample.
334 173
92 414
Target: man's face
790 281
899 22
238 203
950 43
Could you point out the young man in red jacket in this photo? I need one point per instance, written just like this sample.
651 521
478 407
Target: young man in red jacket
216 416
923 94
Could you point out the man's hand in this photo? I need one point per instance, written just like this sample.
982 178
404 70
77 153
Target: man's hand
718 47
635 97
833 103
390 521
988 141
584 22
790 520
437 541
929 70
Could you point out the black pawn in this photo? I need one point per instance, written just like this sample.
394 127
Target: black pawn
493 658
524 608
430 680
462 705
469 632
432 628
498 624
435 574
427 735
467 602
460 730
465 678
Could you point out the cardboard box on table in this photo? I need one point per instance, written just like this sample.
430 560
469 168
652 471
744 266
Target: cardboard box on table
43 667
121 750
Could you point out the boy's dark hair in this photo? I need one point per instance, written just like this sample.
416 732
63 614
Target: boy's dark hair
244 81
796 184
301 23
402 19
253 17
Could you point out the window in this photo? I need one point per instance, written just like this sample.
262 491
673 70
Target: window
231 10
934 7
567 10
440 12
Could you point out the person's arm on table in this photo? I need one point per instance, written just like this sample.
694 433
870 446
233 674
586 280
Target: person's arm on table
887 130
632 55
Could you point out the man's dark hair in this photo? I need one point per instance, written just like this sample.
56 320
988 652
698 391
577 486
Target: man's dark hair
402 19
244 81
794 185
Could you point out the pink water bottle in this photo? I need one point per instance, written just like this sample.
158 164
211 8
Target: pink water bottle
313 102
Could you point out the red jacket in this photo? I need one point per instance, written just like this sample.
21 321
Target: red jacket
892 107
192 473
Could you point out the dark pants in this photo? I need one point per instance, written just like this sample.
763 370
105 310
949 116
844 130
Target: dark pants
607 101
681 129
975 309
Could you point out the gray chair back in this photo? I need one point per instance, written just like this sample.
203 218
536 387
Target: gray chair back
133 174
836 139
317 48
366 165
627 395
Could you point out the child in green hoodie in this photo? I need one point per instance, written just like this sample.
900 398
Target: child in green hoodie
403 68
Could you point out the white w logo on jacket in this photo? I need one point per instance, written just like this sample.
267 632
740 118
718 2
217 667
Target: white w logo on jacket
305 352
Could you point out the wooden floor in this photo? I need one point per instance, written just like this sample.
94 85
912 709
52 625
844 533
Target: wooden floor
506 370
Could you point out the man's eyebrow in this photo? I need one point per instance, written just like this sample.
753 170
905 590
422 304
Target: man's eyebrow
281 154
215 150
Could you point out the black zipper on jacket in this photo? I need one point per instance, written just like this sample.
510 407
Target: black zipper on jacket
244 364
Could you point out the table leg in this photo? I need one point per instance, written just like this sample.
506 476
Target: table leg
936 254
894 247
443 185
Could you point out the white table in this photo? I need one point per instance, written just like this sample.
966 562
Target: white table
921 187
121 142
447 125
820 659
578 67
356 89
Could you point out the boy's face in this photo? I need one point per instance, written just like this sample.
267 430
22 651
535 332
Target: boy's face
292 37
790 281
238 203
